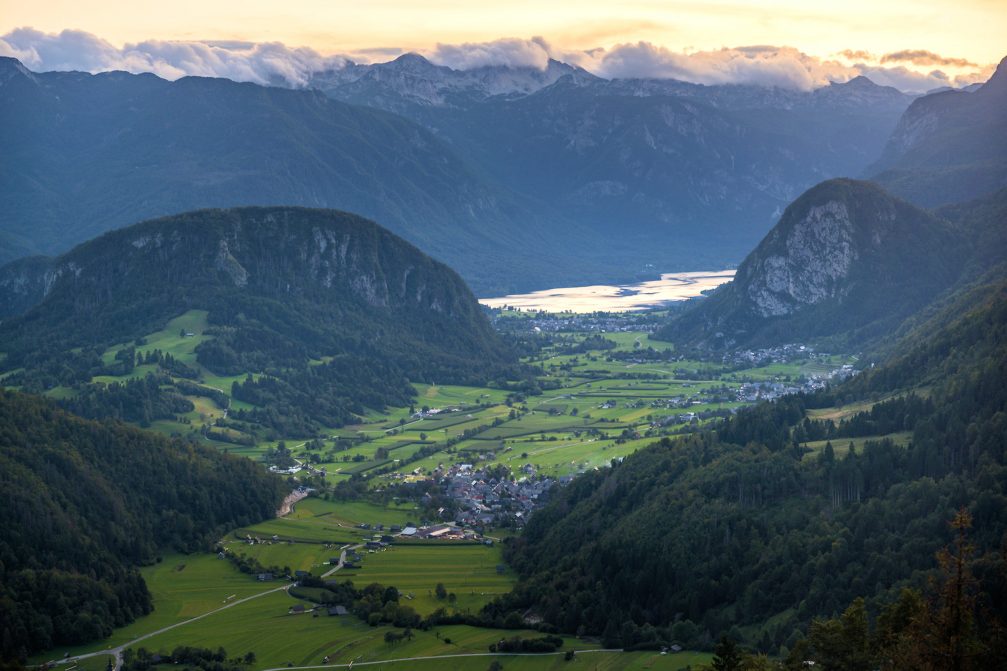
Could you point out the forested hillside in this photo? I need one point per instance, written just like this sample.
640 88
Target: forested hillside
331 313
82 504
741 527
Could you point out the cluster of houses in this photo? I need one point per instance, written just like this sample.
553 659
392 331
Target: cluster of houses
484 500
768 355
544 322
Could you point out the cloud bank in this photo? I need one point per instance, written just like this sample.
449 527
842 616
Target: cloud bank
262 63
276 63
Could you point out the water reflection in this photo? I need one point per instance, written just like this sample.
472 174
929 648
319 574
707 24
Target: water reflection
616 298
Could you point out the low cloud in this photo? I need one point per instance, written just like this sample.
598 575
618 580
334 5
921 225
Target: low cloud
276 63
783 67
926 58
857 55
533 53
262 63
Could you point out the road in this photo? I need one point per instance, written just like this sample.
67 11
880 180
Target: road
117 651
350 665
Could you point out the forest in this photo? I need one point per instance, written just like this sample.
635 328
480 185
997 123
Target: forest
740 531
102 499
349 328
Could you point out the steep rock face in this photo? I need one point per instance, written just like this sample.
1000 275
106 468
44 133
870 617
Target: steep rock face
24 283
949 146
846 259
282 253
811 264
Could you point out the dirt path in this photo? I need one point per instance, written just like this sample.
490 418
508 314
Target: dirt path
287 506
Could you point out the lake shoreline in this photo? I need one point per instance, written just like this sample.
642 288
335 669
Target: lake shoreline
628 297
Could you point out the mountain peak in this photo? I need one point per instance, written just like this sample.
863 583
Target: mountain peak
998 82
412 62
860 81
12 67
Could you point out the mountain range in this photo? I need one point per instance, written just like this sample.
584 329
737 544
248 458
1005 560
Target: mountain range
520 178
700 171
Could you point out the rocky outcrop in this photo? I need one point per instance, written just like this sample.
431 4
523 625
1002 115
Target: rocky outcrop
844 258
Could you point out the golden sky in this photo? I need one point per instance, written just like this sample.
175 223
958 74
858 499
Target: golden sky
971 29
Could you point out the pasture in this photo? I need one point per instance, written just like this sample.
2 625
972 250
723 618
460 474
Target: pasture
467 570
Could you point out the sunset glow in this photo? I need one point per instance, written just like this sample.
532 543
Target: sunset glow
969 30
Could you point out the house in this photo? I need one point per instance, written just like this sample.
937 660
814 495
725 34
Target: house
338 611
333 560
409 531
373 545
296 610
264 577
301 574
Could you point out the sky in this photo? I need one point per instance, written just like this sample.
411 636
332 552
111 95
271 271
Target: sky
801 43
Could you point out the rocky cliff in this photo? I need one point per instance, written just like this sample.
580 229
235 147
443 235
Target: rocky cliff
845 260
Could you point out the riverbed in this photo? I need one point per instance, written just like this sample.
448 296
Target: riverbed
617 297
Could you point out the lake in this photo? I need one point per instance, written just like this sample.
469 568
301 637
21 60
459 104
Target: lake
617 297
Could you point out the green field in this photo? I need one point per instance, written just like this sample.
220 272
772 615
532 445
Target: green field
575 426
182 586
842 445
315 520
470 571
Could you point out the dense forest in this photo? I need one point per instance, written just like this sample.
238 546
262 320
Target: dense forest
333 311
82 504
743 531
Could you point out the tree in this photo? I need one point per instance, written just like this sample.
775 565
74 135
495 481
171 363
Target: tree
843 644
727 656
440 592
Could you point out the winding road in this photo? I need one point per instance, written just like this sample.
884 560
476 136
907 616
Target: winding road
117 651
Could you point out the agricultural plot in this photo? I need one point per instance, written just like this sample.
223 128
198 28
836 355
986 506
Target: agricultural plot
317 521
474 573
842 445
587 661
182 587
600 410
278 638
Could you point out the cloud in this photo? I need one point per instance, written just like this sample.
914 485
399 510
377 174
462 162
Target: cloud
262 63
512 52
857 55
783 67
278 64
927 58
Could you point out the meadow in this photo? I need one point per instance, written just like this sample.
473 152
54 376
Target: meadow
469 571
594 408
